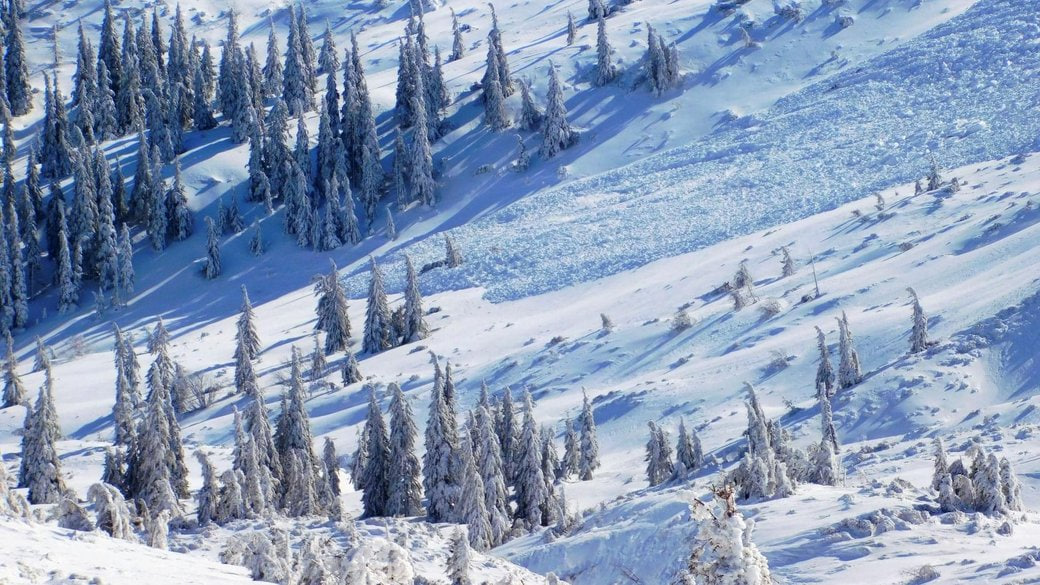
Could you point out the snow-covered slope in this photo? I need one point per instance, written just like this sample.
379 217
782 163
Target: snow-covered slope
651 211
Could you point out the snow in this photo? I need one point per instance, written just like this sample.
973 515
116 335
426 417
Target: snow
784 145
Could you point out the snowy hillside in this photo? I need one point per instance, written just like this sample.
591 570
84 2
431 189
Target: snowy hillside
794 127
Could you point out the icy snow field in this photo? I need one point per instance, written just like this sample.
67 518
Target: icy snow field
651 211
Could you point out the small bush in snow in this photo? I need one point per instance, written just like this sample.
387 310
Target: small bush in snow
789 10
771 308
923 575
606 324
682 321
845 20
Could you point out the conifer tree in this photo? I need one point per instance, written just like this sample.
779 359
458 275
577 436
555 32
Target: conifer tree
68 288
208 497
572 30
472 510
848 368
606 70
14 391
377 314
570 466
724 552
597 10
109 51
495 114
489 464
296 83
41 468
211 266
328 59
557 134
529 483
458 560
273 67
589 443
658 460
332 311
248 340
294 444
375 481
415 325
919 332
258 425
824 372
19 284
202 111
688 452
420 160
16 67
457 49
405 484
440 477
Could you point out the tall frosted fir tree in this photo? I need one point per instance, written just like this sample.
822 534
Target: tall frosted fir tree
14 390
375 480
919 332
440 473
293 442
16 68
211 266
457 48
688 452
489 464
377 314
529 483
557 134
332 311
245 333
472 510
848 367
414 324
41 467
824 372
495 114
606 71
589 443
531 115
405 482
420 159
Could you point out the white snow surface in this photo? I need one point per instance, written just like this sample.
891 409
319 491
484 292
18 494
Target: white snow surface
650 212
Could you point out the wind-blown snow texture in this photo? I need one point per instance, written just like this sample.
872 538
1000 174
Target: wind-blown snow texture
965 91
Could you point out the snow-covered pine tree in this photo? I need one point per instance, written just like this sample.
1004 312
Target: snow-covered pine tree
422 187
297 90
440 462
68 288
472 511
273 66
688 452
375 479
328 58
848 368
350 373
14 391
258 424
557 134
589 444
16 67
919 332
157 450
318 362
294 444
824 372
377 314
529 483
495 38
208 497
495 114
989 495
211 266
41 468
1010 486
405 484
942 465
459 559
330 461
332 311
570 466
415 325
659 466
596 10
19 283
457 49
531 115
789 266
113 515
723 553
606 70
572 30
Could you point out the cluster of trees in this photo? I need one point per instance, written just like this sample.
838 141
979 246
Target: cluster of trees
987 484
499 474
660 467
772 467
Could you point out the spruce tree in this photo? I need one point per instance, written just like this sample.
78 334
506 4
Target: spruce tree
472 510
495 114
457 49
273 67
458 560
572 30
332 311
589 444
375 482
919 332
557 134
405 483
606 70
294 444
529 483
489 464
848 368
688 452
41 468
68 288
377 314
211 265
208 497
14 391
19 283
16 67
824 372
440 473
415 325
